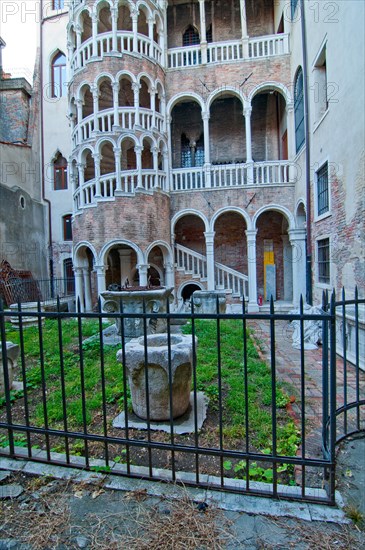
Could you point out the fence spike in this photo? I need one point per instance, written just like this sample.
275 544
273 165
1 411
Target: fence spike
356 293
271 304
58 303
301 303
343 293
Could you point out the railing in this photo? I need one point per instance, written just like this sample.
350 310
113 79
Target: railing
195 264
125 44
268 46
191 262
108 187
228 175
230 51
232 175
185 179
230 279
127 119
49 414
271 172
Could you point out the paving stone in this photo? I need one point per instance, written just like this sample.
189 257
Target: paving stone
10 491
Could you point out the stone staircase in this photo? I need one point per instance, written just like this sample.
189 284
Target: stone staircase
227 280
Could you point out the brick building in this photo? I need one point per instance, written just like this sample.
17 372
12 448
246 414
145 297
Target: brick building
199 144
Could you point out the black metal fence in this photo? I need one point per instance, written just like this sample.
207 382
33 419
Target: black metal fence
75 407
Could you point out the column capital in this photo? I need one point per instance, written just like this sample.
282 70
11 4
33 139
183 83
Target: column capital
77 270
115 86
94 17
206 115
96 156
209 235
247 111
135 87
101 268
81 165
297 234
117 150
251 234
78 29
138 148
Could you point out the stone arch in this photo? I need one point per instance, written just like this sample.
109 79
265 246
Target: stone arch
225 91
185 285
186 212
300 214
78 258
225 209
189 96
276 208
274 86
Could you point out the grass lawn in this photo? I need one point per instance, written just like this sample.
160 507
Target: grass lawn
50 378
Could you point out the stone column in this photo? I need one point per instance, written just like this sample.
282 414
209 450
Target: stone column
81 168
247 114
78 45
117 152
114 14
135 88
143 274
252 277
297 239
97 158
244 28
79 119
152 92
288 269
70 52
100 274
134 16
203 32
94 20
138 150
125 265
209 244
116 125
79 288
155 166
169 275
207 165
95 93
87 288
150 22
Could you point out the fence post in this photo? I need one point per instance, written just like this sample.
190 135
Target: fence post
6 378
333 385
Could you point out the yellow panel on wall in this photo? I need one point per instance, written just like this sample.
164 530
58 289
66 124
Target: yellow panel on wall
268 259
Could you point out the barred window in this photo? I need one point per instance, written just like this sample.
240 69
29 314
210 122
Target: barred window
323 251
322 190
191 36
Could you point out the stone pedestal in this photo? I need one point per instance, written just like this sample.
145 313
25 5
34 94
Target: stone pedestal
163 369
155 301
28 319
205 301
12 351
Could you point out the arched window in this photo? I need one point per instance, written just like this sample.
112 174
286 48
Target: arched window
299 109
59 85
191 36
59 173
68 276
67 228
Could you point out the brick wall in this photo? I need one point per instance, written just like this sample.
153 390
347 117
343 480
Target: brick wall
14 110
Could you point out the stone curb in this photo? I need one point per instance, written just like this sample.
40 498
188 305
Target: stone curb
223 500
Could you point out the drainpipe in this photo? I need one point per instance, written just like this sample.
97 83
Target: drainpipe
48 202
307 160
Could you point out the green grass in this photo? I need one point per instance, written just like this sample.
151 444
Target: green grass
72 369
47 376
259 391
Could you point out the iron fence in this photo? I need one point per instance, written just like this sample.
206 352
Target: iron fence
73 390
16 289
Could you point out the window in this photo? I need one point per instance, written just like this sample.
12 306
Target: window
323 254
322 190
58 4
59 85
192 153
67 228
191 36
60 173
293 7
320 85
299 109
68 276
